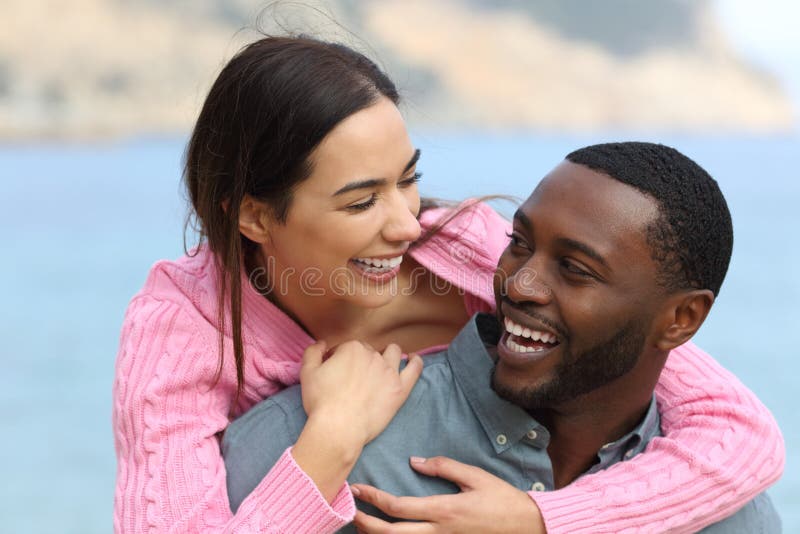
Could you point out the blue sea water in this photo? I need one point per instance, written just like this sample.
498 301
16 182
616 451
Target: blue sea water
81 224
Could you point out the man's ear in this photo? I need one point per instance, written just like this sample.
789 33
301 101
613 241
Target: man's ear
254 219
683 316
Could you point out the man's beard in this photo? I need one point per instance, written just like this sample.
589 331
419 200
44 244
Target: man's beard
581 373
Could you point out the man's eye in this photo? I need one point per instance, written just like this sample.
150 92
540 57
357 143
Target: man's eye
574 269
517 240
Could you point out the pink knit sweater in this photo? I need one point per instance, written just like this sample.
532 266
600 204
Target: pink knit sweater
721 446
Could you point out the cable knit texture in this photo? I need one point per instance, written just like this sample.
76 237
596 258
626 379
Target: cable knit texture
721 446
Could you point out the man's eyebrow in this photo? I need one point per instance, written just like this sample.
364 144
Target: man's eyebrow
564 241
375 182
523 219
583 247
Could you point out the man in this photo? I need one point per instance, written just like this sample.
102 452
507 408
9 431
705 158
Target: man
615 259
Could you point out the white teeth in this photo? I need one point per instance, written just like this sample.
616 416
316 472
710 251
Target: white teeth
535 335
389 263
526 332
516 347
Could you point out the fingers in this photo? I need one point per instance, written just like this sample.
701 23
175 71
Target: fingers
411 373
312 356
392 355
367 524
418 508
465 476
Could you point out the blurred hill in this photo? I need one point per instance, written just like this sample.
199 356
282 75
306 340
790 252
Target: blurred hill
90 68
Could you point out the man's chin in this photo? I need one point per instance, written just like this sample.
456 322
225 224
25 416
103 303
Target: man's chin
528 396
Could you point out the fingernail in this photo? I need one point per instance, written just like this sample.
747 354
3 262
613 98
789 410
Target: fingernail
355 491
417 460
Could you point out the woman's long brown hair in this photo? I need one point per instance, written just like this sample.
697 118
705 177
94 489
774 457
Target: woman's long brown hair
270 106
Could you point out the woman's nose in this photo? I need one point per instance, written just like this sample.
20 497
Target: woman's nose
402 223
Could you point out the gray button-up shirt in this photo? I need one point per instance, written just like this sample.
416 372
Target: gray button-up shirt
452 411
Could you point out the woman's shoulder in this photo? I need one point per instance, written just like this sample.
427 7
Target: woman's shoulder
186 282
471 233
473 216
169 332
177 295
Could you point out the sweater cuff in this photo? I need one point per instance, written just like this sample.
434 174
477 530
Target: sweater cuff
567 514
287 500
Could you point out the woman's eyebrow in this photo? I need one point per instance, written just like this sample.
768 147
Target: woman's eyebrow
413 161
375 182
360 184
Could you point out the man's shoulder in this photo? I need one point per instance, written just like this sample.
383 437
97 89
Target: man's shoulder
285 407
254 442
280 414
758 516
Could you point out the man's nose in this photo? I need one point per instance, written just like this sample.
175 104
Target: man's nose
527 285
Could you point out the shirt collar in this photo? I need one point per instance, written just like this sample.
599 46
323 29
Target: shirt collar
631 443
505 424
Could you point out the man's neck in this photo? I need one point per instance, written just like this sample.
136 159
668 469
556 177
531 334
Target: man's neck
578 433
581 426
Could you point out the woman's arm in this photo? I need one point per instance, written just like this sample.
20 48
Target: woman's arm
167 415
721 447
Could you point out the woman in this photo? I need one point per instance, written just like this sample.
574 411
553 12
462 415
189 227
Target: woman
303 180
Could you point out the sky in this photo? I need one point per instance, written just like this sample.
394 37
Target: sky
766 32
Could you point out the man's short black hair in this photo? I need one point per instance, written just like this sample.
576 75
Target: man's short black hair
692 238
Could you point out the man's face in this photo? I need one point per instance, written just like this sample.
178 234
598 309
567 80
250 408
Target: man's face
576 288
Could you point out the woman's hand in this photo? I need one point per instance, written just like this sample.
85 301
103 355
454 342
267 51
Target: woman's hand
486 504
349 397
357 386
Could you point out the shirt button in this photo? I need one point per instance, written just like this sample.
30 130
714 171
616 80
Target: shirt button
531 434
501 439
537 486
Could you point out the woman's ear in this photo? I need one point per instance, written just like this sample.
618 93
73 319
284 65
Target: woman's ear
683 316
254 219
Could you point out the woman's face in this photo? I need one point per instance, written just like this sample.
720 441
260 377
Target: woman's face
351 222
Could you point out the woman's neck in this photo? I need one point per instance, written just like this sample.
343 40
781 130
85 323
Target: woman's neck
338 320
415 318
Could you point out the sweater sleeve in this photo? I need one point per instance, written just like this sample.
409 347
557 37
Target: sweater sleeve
465 250
721 447
167 415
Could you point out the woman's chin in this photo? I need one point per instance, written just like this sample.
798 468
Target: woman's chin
376 298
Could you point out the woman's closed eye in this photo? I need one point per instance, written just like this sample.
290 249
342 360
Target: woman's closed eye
364 204
411 180
367 202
